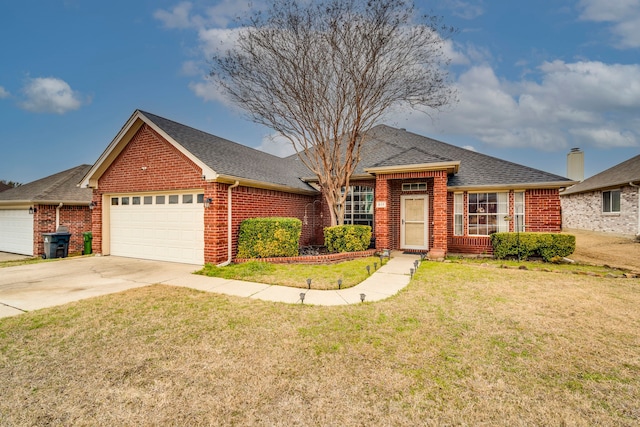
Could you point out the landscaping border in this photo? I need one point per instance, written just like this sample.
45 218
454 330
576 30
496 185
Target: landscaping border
312 259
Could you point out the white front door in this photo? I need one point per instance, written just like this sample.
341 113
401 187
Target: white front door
16 231
414 224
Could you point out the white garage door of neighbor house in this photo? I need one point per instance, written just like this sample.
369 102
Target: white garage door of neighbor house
163 227
16 231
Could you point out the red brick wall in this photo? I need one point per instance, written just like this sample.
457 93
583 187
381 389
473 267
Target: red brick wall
542 211
166 168
389 189
76 218
248 202
542 214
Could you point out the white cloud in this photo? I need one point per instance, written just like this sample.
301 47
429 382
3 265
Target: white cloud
50 95
571 104
465 9
192 68
276 145
623 15
4 93
177 18
222 15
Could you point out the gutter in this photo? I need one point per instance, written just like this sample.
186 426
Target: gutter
520 186
229 226
58 215
638 187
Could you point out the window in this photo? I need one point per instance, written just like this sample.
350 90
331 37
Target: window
125 200
114 201
487 212
458 214
415 186
135 200
159 200
518 211
359 206
148 200
187 198
611 201
200 198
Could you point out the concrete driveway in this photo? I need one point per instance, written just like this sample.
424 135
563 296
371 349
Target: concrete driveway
34 286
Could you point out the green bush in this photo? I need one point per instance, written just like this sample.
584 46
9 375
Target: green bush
549 246
269 237
347 238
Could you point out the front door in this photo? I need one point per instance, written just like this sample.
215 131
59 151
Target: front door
414 225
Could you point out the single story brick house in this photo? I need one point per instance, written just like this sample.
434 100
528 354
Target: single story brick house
166 191
607 202
42 206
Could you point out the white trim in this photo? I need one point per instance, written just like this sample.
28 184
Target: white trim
425 198
135 122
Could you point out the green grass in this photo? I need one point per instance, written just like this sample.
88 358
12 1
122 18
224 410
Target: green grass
296 275
461 345
540 265
23 261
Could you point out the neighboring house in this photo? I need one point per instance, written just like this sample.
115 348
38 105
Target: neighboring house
166 191
4 187
40 207
607 202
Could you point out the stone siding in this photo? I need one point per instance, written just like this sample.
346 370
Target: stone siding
583 211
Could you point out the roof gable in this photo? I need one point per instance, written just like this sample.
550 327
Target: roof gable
61 187
219 158
476 170
618 175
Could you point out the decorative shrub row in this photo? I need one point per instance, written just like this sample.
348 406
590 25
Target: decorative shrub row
549 246
269 237
347 238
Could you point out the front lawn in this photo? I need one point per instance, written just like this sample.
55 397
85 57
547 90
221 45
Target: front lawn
323 276
461 345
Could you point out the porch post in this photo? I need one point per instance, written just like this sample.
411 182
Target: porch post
439 249
381 216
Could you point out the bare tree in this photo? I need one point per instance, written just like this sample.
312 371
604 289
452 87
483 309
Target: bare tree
322 73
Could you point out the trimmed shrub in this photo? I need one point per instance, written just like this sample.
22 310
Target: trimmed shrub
549 246
269 237
347 238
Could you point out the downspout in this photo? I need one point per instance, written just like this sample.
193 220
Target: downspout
638 187
58 216
229 226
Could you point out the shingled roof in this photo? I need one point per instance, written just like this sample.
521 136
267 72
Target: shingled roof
386 148
618 175
389 146
4 186
233 159
61 187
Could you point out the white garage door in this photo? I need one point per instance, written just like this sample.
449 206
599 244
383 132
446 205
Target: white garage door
16 231
164 227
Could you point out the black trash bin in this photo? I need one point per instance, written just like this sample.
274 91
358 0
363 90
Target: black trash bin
56 245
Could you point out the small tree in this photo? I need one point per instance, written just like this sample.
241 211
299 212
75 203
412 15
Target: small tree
11 184
322 73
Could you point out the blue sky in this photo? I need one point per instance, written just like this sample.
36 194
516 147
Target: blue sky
534 79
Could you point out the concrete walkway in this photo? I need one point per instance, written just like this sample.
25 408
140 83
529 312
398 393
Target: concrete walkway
34 286
383 283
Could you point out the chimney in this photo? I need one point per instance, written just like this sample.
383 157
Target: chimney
575 165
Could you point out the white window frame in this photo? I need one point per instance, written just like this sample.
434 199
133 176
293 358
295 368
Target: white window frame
458 214
519 212
610 202
363 212
480 206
